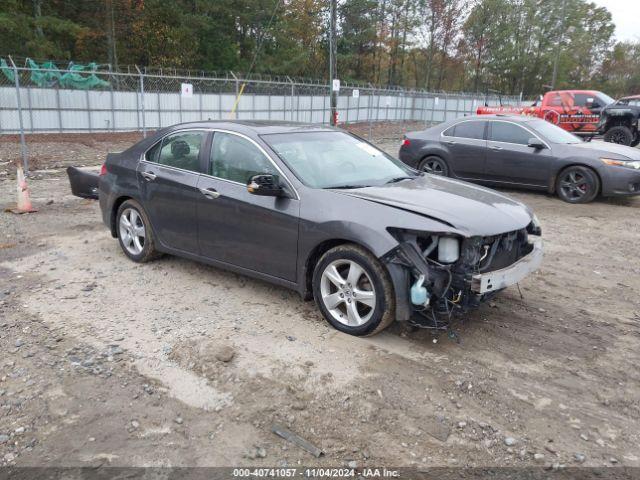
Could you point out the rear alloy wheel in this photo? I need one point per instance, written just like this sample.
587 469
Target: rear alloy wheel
620 134
434 165
577 185
134 233
353 291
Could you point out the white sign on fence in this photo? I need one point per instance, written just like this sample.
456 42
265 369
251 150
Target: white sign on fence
336 85
186 90
355 93
436 100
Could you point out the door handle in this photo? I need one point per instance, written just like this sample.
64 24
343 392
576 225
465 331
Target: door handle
148 175
450 142
210 193
495 147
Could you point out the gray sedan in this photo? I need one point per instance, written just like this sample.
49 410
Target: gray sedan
319 211
518 151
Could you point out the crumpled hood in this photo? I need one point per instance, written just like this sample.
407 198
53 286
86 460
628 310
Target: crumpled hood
605 149
471 209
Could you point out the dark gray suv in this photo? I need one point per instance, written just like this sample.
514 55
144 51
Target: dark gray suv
320 211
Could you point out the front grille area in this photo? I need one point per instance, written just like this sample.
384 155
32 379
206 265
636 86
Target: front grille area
504 250
486 254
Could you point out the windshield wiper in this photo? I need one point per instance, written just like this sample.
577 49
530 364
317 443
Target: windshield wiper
345 187
399 179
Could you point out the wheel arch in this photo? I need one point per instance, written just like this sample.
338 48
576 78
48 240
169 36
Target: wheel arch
554 177
620 121
314 256
437 154
398 275
114 213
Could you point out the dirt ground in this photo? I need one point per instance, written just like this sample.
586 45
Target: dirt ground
105 362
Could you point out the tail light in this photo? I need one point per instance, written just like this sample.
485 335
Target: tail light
103 169
406 142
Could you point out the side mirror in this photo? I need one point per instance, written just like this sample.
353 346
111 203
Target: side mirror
265 185
536 143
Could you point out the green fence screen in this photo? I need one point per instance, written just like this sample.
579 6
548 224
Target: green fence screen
47 74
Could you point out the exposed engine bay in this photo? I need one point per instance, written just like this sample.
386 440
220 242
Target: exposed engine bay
450 273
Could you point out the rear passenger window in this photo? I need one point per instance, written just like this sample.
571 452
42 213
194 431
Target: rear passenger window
179 150
470 130
509 133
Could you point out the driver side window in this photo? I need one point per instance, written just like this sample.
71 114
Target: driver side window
236 159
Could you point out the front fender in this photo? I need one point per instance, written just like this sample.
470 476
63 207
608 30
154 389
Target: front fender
591 163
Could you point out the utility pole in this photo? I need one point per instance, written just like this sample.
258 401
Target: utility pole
111 34
560 39
333 73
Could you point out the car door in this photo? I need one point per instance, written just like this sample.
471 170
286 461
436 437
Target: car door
255 232
168 178
511 160
468 147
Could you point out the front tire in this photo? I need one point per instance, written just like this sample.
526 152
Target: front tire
434 165
619 134
353 291
134 232
577 185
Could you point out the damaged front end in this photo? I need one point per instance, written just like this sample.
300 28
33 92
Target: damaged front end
436 274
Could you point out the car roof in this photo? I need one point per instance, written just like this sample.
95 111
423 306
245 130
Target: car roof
631 97
496 116
575 91
260 127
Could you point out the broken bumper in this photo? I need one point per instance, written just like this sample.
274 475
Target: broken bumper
497 280
84 184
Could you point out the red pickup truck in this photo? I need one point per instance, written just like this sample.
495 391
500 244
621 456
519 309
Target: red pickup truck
577 111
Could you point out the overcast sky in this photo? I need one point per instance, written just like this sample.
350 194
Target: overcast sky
626 16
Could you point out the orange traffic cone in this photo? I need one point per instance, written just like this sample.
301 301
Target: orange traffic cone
24 201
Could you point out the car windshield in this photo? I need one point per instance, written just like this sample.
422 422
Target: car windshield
553 133
336 160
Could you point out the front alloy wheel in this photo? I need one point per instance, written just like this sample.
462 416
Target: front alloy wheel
353 290
577 185
347 292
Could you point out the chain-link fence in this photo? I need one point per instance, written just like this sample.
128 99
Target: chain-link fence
52 100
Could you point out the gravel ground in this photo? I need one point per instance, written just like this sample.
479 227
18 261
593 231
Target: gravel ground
172 363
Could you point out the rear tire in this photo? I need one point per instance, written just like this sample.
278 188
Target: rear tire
619 134
434 165
353 291
134 232
577 185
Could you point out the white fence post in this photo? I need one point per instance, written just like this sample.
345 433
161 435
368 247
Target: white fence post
23 143
144 127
